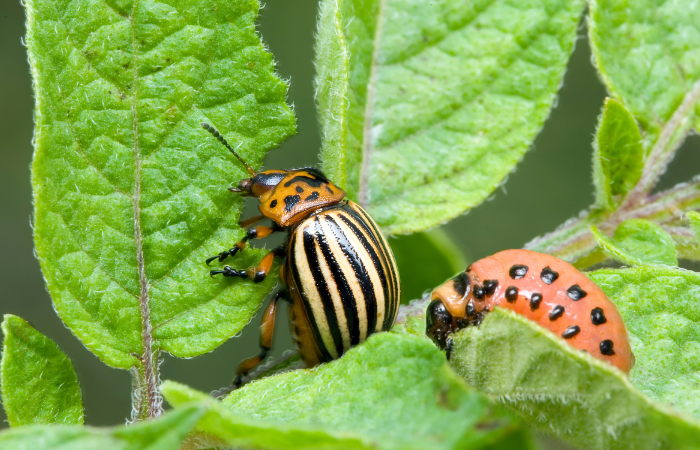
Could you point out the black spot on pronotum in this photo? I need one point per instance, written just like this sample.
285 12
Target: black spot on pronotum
535 301
312 197
290 202
517 271
273 203
299 189
328 188
479 292
606 347
490 286
548 275
556 312
461 284
571 332
511 294
575 293
471 310
313 182
597 316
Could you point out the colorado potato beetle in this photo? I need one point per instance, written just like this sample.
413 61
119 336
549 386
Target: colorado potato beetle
540 287
338 272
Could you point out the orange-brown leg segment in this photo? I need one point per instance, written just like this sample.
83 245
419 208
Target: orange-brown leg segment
255 273
258 232
245 223
267 328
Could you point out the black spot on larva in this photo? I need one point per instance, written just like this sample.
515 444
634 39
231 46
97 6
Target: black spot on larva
461 284
471 309
312 197
535 301
556 312
290 202
517 271
479 292
571 332
606 347
597 316
490 286
575 292
273 203
511 294
299 189
548 275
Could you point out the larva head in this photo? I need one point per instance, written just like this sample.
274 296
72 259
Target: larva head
286 196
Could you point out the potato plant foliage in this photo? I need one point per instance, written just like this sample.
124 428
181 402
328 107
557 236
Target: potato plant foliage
425 108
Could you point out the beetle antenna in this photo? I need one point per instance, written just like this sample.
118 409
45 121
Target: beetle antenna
221 139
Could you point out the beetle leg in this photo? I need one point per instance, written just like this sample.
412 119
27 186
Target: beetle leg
245 223
267 328
255 273
258 232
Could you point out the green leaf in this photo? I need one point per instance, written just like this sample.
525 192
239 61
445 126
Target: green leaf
130 192
392 392
165 433
562 391
618 158
694 218
661 309
427 106
647 53
38 382
425 260
638 242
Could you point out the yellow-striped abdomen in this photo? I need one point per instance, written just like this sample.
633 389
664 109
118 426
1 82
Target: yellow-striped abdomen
344 272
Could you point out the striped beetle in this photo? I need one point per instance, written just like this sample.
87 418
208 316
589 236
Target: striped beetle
338 272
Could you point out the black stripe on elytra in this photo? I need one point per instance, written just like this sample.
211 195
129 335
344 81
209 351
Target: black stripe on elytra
347 298
313 182
297 279
392 295
360 273
391 270
378 268
322 288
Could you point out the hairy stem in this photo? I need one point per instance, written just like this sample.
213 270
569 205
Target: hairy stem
573 240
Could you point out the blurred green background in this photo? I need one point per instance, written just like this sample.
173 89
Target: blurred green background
552 184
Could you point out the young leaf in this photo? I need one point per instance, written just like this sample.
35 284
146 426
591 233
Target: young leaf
638 242
647 55
425 260
130 192
694 218
427 106
165 433
38 382
392 392
563 391
661 309
618 157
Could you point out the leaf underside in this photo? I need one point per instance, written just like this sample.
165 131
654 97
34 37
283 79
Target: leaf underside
165 433
130 193
564 392
427 106
38 382
394 391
